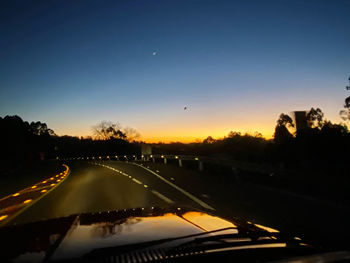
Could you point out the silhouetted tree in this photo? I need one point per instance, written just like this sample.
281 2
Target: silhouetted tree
22 142
131 134
315 117
208 140
39 128
345 114
106 130
331 129
282 133
285 120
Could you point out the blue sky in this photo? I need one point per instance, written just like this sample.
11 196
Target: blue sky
236 64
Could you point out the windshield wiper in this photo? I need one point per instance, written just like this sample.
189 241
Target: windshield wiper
253 235
227 240
199 243
236 239
126 248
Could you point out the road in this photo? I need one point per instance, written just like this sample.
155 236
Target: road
114 185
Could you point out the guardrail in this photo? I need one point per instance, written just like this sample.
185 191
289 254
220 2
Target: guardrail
197 162
153 157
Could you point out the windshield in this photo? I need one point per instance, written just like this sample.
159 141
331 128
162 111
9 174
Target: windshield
235 109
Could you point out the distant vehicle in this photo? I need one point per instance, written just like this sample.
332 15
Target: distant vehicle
154 234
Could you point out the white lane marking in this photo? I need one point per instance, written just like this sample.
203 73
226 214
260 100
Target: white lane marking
166 199
198 201
136 181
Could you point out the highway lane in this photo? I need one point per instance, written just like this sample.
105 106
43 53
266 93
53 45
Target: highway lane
90 188
152 178
114 186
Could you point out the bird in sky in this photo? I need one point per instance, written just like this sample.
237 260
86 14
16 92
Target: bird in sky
154 53
185 108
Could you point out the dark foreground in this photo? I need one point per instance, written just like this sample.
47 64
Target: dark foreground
112 185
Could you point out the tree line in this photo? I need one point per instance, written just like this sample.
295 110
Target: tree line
318 144
320 140
23 143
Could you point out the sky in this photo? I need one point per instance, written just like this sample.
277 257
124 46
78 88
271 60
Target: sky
235 65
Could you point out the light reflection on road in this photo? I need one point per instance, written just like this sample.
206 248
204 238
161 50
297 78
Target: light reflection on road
12 205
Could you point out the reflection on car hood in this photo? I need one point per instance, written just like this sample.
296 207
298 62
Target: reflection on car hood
74 236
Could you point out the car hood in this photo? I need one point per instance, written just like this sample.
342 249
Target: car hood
74 236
